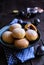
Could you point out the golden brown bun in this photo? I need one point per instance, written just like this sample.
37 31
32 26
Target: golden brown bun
31 35
14 26
22 43
30 26
18 33
7 37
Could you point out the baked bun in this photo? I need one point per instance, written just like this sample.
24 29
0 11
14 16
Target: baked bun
30 26
7 37
22 43
31 35
14 26
18 33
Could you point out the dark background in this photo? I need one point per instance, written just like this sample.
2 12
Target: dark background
9 5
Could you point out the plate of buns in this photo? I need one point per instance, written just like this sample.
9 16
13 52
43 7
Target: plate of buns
19 36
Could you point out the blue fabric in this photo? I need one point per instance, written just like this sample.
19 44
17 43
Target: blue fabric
22 55
10 56
25 54
14 21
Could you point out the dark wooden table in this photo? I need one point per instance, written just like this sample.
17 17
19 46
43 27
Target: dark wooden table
6 18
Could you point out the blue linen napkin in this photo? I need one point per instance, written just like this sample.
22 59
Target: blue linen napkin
25 54
22 55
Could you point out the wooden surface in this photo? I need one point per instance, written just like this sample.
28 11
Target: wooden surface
6 18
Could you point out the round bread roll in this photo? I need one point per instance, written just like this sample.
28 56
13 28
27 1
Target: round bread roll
14 26
7 37
18 33
22 43
30 26
31 35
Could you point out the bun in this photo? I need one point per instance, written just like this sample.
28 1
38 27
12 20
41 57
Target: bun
31 35
7 37
30 26
14 26
18 33
22 43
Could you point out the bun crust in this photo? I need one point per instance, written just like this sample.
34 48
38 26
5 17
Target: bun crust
14 26
18 33
22 43
31 35
7 37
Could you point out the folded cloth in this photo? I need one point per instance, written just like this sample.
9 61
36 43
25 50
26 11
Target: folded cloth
25 54
13 56
22 55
